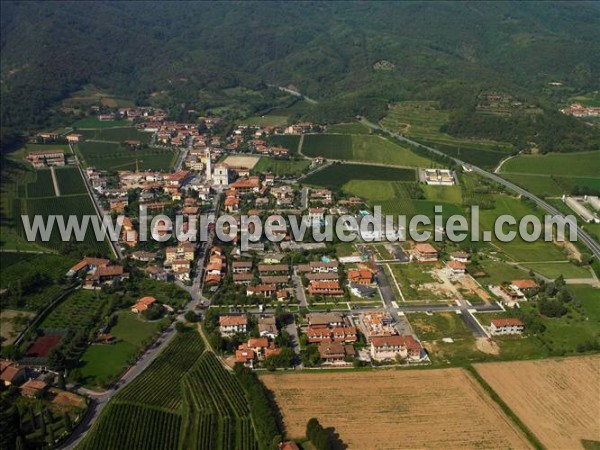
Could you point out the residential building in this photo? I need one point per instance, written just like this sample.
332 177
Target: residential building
506 326
389 347
232 324
143 304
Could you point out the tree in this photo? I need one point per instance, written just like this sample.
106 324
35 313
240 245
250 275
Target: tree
179 326
61 381
191 316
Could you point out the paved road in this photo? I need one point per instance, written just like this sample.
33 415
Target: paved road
587 240
299 288
97 206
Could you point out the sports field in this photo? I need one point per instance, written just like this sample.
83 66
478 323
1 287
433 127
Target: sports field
557 399
361 147
395 409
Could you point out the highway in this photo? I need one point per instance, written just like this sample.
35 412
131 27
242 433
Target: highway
582 236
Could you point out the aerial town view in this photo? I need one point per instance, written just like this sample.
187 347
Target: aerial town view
299 225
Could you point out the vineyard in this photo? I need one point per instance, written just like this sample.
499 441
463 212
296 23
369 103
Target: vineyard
218 416
114 156
76 205
129 426
185 399
289 141
337 175
70 181
42 186
160 385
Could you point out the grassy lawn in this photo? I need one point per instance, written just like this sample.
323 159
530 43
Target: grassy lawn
337 175
345 249
439 325
281 167
361 147
542 185
554 270
266 121
103 362
444 194
568 164
518 249
498 272
132 328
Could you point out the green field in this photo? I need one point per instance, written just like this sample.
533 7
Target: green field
281 167
70 181
289 141
363 148
337 175
42 186
92 122
266 121
554 270
76 205
77 311
518 249
112 156
117 134
416 283
421 121
499 272
102 363
185 399
580 164
348 128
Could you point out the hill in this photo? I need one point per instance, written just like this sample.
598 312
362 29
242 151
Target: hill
354 58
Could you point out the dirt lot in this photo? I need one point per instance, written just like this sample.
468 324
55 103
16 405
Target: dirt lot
247 162
557 399
395 409
8 330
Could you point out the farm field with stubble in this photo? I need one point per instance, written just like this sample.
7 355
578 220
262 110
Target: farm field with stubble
440 408
556 398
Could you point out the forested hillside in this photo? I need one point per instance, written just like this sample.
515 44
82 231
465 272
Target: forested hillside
355 58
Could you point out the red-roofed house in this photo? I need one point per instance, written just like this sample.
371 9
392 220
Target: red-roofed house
425 252
506 326
388 347
143 304
230 324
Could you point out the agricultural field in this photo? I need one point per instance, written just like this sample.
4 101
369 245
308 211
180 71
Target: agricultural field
42 185
337 175
540 185
197 402
77 205
348 128
119 134
555 269
289 141
554 398
13 322
93 122
281 167
363 148
76 312
580 164
518 249
441 408
217 412
422 120
266 121
499 272
70 181
127 425
246 161
113 156
159 386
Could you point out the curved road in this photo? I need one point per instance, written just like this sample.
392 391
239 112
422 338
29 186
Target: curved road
581 235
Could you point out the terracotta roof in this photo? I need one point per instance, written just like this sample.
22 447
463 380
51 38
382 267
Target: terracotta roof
425 248
273 268
507 323
232 320
456 265
405 341
525 284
